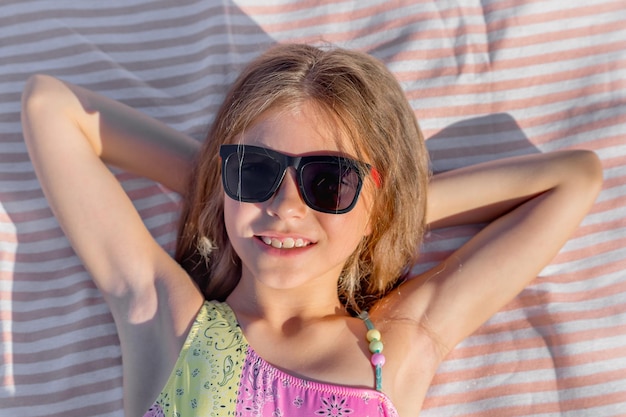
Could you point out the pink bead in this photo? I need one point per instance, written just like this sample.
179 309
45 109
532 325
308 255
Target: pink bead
378 359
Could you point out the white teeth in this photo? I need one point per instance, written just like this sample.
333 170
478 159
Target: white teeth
287 243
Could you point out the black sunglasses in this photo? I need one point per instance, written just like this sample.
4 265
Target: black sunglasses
327 183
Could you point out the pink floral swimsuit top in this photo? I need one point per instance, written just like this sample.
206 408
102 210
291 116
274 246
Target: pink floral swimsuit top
218 374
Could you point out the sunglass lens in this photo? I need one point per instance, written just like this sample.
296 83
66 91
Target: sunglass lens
330 187
251 176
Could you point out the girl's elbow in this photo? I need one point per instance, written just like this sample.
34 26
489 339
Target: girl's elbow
589 170
45 102
35 88
44 92
583 176
37 96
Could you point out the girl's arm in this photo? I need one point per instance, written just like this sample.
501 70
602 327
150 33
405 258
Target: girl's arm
532 203
70 133
120 135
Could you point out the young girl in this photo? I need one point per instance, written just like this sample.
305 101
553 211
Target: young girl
303 216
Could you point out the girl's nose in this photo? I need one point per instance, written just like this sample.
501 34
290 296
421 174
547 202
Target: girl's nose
287 202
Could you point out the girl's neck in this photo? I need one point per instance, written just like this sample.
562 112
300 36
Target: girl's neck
252 302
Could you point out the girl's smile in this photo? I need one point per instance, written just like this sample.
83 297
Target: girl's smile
286 243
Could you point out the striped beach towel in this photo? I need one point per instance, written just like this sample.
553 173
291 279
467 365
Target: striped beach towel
487 79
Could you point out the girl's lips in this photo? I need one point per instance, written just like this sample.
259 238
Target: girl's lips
284 243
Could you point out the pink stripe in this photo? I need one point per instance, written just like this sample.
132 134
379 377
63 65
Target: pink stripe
522 387
32 237
354 14
522 83
553 408
515 19
25 215
583 54
66 252
581 402
594 140
16 176
42 311
27 279
36 399
614 203
598 249
491 7
564 256
52 332
436 34
610 161
553 339
523 19
588 127
73 347
33 258
511 104
13 196
69 371
13 157
159 209
610 266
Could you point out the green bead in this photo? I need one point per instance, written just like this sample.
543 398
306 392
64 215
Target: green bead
373 335
376 346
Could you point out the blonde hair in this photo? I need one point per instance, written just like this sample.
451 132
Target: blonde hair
360 95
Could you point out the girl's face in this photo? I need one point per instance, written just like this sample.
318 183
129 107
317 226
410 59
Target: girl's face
282 243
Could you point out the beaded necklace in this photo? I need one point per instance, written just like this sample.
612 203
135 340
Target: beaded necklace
376 348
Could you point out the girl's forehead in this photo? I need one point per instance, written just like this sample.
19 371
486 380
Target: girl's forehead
298 130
